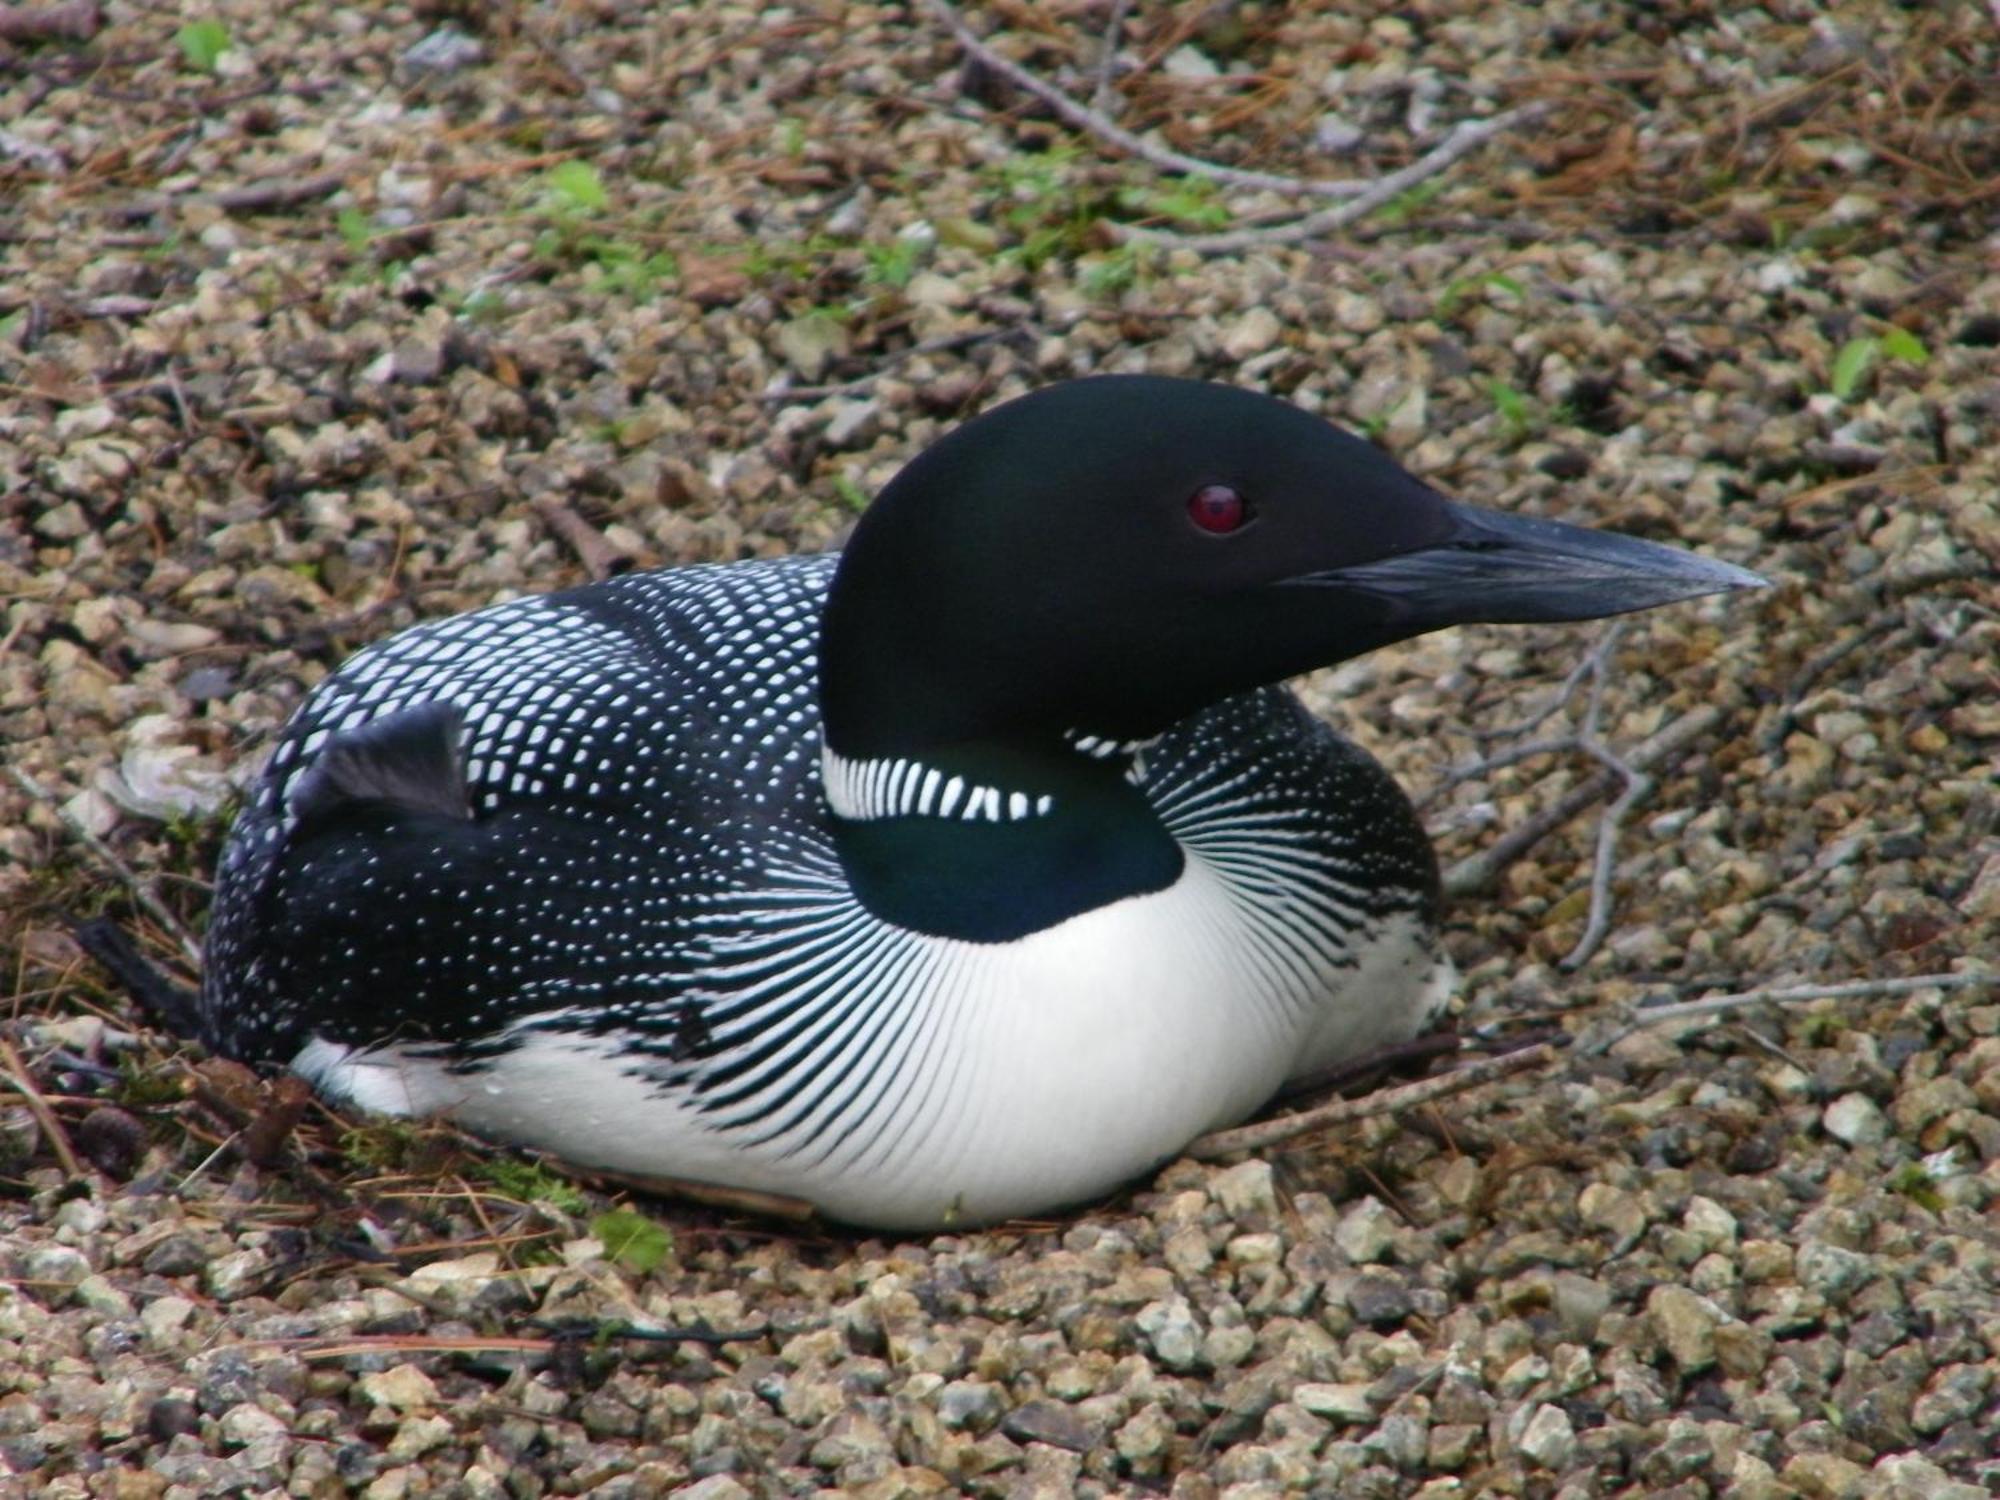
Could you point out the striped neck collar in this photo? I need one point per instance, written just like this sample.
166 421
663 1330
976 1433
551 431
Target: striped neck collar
864 789
901 787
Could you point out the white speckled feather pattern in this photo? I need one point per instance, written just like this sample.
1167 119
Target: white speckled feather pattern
639 949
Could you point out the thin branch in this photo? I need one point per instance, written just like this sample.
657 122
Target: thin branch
944 344
277 192
1406 1096
1860 989
1107 59
1465 136
1477 871
599 555
16 1073
1364 195
1590 663
1638 786
734 1200
75 21
142 891
1083 117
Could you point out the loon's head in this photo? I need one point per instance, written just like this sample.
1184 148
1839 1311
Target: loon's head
1109 555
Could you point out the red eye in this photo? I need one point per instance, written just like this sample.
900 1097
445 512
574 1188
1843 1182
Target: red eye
1218 508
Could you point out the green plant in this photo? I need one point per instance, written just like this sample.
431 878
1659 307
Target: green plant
1462 288
202 43
1406 203
1112 272
141 1085
574 189
632 1240
573 198
1517 411
1044 211
851 494
382 1145
1190 202
892 264
1859 355
1915 1181
531 1182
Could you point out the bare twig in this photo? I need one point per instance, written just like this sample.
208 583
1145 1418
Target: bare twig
1860 989
593 549
278 192
1638 786
1465 136
1346 1075
1476 871
1364 195
141 890
734 1200
1818 665
1083 117
1264 1133
75 21
16 1073
1114 34
944 344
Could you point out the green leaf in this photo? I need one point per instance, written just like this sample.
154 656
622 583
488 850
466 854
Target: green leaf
851 494
203 43
578 188
1853 361
1510 403
357 230
632 1240
1900 343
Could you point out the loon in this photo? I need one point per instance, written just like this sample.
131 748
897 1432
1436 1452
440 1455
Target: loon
962 875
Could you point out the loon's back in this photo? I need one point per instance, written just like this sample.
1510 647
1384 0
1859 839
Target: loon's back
639 853
968 875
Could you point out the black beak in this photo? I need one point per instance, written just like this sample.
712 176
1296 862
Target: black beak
1501 569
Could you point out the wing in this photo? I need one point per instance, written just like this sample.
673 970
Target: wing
521 809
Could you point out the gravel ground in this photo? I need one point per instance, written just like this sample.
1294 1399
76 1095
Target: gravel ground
315 321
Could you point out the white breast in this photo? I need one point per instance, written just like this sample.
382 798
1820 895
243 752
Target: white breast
1001 1079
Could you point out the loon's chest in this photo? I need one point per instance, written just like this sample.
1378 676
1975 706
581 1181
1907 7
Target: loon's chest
897 1078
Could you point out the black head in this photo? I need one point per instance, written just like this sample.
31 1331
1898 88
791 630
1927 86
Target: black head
1109 555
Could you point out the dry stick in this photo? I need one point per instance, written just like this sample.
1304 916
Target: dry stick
1476 871
277 192
141 891
735 1200
1114 32
1860 989
16 1074
1590 662
76 21
593 549
1405 1096
944 344
1083 117
1638 786
1366 195
1463 138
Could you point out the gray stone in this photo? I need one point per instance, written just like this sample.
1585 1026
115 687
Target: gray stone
1245 1191
1547 1437
970 1405
1170 1327
1366 1232
1050 1422
1855 1119
1336 1401
1686 1325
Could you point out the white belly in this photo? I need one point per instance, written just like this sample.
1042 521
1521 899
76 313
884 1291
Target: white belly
1023 1076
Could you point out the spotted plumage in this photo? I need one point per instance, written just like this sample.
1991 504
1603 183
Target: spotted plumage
878 881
